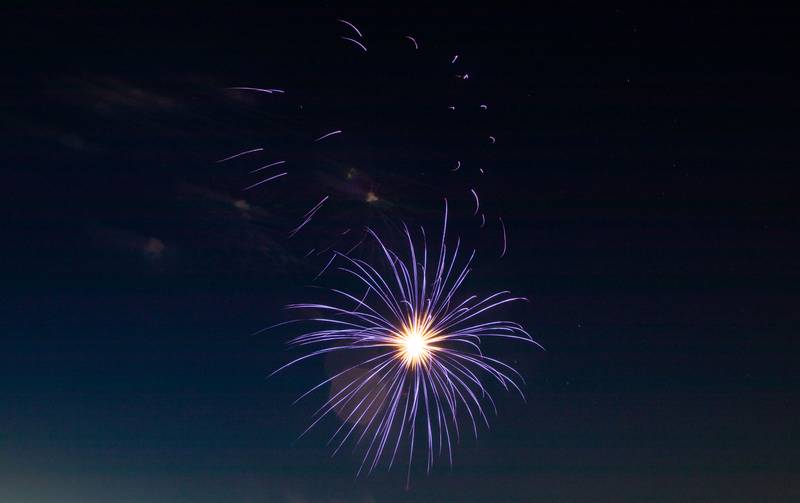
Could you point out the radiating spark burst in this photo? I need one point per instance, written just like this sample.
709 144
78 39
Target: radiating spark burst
421 366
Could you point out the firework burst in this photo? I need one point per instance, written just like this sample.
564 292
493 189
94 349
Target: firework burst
421 373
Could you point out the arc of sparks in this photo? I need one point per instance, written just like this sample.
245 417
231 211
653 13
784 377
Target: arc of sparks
505 237
477 201
492 139
458 166
234 156
413 41
362 46
351 25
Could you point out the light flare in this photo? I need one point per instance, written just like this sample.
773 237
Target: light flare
414 346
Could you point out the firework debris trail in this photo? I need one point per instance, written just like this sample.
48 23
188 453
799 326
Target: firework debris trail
273 177
276 163
359 42
505 237
234 156
477 202
308 216
421 366
351 25
258 89
338 131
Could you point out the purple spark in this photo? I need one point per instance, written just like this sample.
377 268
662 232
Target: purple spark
351 25
308 216
259 149
276 163
258 89
477 201
484 107
505 237
492 139
328 134
327 265
421 367
413 40
355 42
458 166
483 220
336 254
265 181
455 58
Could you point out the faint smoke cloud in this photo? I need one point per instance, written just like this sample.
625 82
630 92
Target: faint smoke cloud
153 248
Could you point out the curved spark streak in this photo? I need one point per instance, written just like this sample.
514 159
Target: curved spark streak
493 140
421 366
413 40
355 42
265 181
259 149
458 166
483 220
338 131
477 202
505 237
276 163
351 25
257 89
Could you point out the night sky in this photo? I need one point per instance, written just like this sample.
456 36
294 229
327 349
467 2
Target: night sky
646 166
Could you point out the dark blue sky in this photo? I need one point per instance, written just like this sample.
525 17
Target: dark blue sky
646 166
